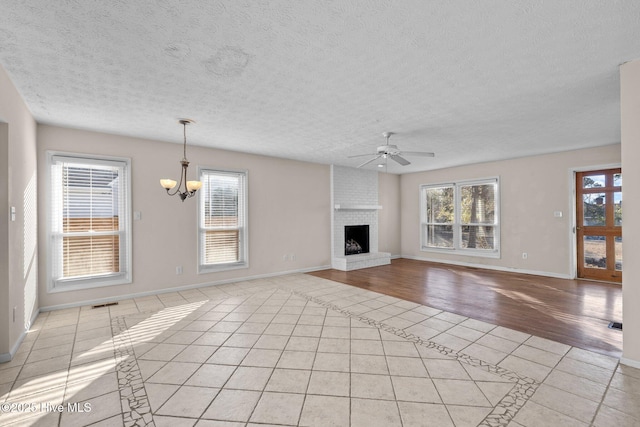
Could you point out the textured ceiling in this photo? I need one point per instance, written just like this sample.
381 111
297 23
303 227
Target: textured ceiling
319 81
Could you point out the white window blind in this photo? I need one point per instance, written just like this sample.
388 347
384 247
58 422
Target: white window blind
461 217
89 222
222 220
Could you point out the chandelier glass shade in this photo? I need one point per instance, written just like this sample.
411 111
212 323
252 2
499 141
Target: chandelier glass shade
184 188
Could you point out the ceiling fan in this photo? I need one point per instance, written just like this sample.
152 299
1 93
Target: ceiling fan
390 151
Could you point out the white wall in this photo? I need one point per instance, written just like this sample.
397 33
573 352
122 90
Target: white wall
289 213
531 189
18 259
630 114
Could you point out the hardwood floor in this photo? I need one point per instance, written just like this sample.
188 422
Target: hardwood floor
574 312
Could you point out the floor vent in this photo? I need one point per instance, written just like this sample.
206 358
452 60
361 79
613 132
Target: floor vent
615 325
108 304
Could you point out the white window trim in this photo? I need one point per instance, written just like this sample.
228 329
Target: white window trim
457 239
65 285
244 231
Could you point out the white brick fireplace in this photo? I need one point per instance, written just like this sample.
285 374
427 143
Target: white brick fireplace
354 199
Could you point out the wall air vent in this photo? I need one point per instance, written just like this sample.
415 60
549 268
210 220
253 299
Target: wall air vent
615 325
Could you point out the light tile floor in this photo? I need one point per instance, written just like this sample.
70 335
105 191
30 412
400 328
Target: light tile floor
302 351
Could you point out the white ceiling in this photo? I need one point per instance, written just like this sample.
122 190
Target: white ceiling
319 81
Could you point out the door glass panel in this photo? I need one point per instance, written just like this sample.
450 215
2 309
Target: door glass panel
594 209
618 244
595 252
593 181
617 208
617 180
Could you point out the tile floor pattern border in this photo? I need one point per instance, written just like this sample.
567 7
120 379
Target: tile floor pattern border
503 412
137 410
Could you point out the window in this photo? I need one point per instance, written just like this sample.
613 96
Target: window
89 231
222 220
461 217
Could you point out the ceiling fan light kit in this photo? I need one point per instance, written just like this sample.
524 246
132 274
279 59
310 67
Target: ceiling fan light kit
391 151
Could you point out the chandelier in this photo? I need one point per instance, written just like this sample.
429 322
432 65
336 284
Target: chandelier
190 187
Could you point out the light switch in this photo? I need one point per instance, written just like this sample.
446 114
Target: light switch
557 214
137 216
13 213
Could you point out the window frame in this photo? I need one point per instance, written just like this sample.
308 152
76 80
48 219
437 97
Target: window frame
243 229
124 276
457 223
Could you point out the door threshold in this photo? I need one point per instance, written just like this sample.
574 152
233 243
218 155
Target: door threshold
599 281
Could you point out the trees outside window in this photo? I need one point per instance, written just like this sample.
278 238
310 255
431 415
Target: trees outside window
461 217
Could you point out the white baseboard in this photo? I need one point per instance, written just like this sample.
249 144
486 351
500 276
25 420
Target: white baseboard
7 357
630 362
490 267
179 288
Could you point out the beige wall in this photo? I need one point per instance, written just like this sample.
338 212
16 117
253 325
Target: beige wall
289 213
531 189
389 215
630 114
5 319
18 261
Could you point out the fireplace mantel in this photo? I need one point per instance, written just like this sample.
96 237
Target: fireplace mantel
350 207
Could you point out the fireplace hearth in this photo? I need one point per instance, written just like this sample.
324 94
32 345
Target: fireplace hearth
356 239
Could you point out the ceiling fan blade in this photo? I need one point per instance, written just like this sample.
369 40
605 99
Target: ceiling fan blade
418 153
398 159
371 160
362 155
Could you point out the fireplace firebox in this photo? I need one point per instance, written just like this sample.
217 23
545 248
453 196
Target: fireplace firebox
356 239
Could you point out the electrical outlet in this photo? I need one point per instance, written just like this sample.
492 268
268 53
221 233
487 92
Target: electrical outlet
292 257
285 257
525 255
179 270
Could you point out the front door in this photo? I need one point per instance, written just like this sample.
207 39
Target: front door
599 224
